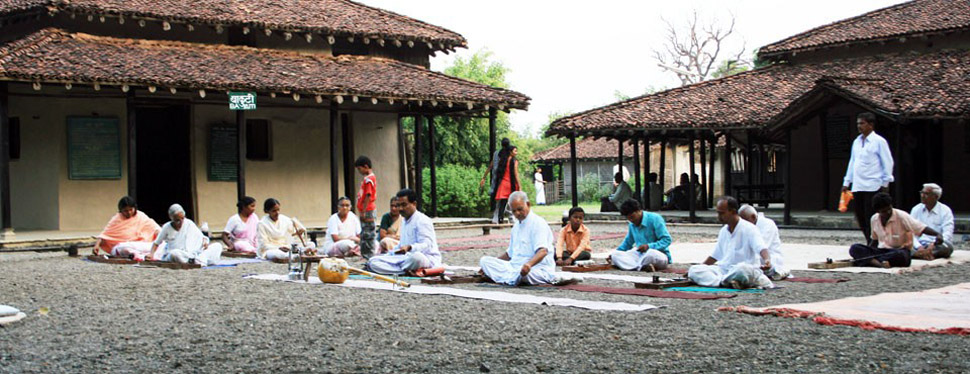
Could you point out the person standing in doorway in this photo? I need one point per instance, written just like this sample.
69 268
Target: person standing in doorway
870 169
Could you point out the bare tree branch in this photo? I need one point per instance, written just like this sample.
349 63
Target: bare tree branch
692 52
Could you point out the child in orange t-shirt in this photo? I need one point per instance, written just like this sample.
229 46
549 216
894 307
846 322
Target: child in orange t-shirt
366 207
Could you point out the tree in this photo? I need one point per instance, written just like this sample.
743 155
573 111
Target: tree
460 140
692 52
728 68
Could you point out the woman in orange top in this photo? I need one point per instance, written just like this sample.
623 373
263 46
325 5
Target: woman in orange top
508 177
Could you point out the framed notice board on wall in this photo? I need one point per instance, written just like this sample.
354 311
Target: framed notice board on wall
93 148
222 153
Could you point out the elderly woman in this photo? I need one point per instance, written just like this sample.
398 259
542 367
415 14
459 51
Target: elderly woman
277 232
391 227
184 242
343 232
240 232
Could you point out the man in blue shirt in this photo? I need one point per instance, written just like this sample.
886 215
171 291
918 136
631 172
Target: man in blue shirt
647 240
870 169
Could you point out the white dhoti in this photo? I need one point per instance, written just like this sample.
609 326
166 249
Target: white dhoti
399 264
504 272
207 257
136 250
342 248
635 260
737 276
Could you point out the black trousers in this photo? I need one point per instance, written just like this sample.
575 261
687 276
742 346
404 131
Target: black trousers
862 254
607 206
864 211
582 256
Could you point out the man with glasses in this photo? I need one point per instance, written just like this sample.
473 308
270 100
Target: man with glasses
418 248
936 215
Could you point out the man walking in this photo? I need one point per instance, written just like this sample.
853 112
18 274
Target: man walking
870 169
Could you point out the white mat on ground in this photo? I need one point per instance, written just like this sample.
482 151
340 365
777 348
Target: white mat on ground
474 294
9 314
930 310
587 275
798 256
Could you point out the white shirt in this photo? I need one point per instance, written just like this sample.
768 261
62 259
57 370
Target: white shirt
347 228
275 234
418 232
528 236
771 238
189 238
939 219
538 178
743 246
871 164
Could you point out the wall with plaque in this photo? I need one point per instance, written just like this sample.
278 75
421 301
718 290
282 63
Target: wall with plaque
840 139
93 148
222 153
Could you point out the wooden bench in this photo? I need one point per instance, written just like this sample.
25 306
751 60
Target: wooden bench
760 194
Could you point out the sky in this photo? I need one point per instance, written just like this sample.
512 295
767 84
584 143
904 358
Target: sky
570 56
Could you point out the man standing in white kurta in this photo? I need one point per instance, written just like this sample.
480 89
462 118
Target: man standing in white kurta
735 261
529 258
184 241
769 233
418 247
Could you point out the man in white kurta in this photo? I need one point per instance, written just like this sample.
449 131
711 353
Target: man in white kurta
769 234
184 242
529 258
740 255
418 247
938 216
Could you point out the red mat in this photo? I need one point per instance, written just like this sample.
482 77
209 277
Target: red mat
815 280
646 292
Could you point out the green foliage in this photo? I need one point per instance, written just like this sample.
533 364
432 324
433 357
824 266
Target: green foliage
589 188
458 191
730 67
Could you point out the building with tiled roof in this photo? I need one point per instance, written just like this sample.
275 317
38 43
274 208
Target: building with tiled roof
105 98
909 64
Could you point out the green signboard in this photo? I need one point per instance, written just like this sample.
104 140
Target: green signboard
242 101
222 153
93 148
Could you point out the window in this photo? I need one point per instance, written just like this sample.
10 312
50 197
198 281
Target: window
13 133
259 140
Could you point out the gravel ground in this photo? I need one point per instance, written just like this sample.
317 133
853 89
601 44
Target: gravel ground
127 319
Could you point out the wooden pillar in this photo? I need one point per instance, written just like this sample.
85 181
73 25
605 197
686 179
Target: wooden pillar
747 160
728 163
636 169
691 192
826 178
402 151
703 178
663 163
788 196
334 168
491 134
619 158
347 135
240 154
897 185
132 144
432 167
710 171
7 225
418 160
574 188
646 172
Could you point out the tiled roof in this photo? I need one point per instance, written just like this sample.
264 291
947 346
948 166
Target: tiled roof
52 55
586 149
908 84
333 17
906 19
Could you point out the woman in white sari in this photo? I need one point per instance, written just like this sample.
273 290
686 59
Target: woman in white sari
277 232
343 232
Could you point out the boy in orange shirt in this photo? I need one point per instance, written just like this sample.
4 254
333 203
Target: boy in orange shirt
573 244
366 207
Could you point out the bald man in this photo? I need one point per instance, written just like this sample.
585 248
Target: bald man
769 233
184 242
737 255
529 259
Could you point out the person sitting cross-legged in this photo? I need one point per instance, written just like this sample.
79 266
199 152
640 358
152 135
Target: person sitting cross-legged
647 242
936 216
343 232
573 244
737 255
129 233
892 236
527 260
184 242
277 233
769 233
390 228
418 248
